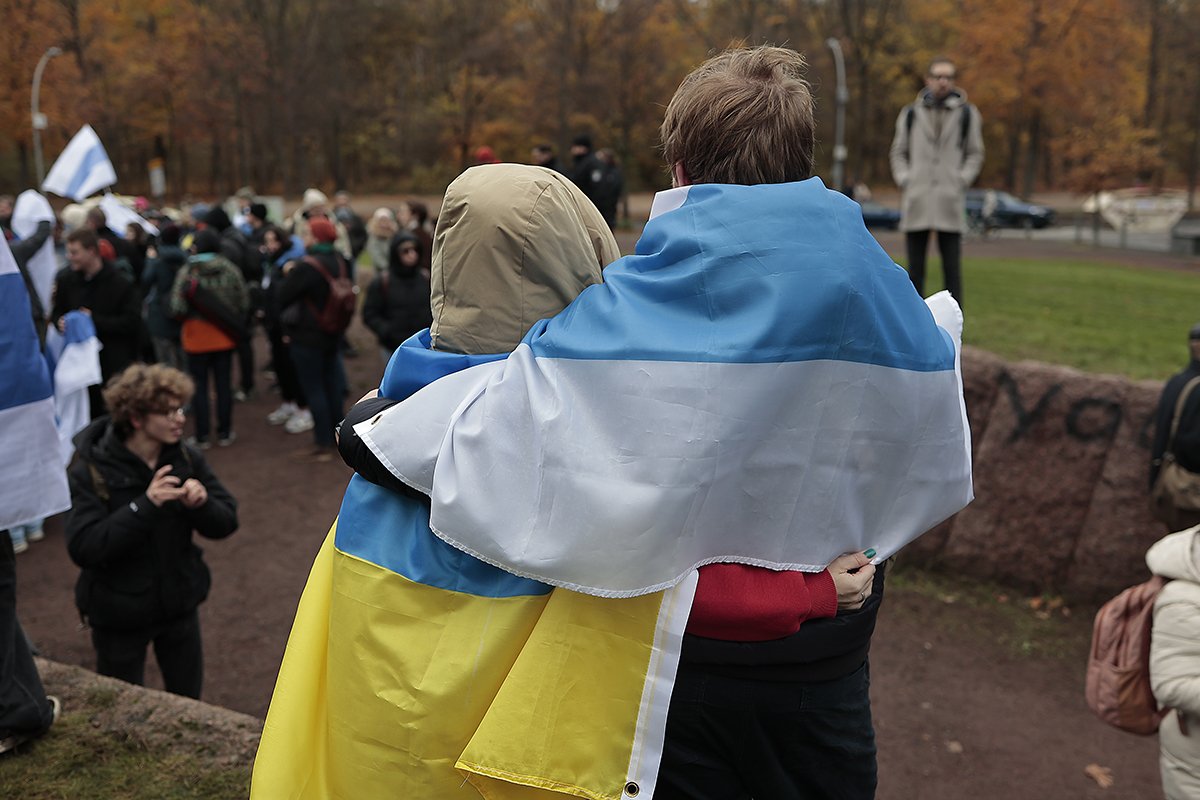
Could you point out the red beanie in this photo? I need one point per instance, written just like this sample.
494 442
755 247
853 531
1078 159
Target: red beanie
322 229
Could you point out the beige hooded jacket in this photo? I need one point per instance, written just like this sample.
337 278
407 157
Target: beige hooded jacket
514 244
1175 659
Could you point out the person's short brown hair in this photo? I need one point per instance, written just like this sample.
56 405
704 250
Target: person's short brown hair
143 389
85 238
745 117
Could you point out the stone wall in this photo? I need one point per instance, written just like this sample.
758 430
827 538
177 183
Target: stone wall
1061 460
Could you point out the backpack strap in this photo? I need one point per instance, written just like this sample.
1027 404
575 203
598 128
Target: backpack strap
98 483
1179 404
964 126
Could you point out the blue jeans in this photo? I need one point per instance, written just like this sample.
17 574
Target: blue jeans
733 739
220 363
324 384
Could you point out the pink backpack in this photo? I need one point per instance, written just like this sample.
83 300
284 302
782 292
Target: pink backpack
1118 672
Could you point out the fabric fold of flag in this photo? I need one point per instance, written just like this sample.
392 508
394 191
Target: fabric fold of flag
82 169
29 210
415 670
33 481
74 359
759 383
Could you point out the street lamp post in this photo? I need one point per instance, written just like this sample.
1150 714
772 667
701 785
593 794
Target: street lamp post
39 119
843 96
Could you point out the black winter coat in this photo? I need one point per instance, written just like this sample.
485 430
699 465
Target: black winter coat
397 303
139 564
304 291
116 306
1187 438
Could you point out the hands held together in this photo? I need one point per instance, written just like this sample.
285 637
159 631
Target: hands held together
165 487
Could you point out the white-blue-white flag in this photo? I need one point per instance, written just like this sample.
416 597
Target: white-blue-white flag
120 216
29 210
83 169
758 384
74 359
33 479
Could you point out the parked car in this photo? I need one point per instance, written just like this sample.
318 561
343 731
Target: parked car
880 216
1007 212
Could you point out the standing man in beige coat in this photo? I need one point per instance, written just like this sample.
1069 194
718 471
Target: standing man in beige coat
936 154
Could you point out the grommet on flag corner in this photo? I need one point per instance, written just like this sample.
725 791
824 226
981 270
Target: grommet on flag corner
632 789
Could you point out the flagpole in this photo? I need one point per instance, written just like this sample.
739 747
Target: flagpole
39 119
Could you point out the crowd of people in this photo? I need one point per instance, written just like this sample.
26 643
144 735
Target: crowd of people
598 382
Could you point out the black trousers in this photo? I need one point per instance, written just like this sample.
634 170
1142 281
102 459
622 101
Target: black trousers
24 708
735 739
245 356
220 364
285 371
950 247
121 654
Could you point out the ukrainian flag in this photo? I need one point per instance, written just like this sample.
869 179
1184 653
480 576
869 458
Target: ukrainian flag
414 670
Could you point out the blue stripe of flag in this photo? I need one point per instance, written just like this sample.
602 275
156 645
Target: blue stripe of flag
392 531
94 156
752 274
24 376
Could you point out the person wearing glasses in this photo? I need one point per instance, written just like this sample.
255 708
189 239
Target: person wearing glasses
137 495
936 154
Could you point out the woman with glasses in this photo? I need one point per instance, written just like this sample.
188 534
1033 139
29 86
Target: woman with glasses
397 304
137 494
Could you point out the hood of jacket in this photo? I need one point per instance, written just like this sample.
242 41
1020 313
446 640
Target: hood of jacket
99 444
956 99
1176 556
514 244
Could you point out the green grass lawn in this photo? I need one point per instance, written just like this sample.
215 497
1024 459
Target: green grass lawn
1096 317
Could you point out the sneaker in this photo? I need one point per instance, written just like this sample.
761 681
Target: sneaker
313 455
227 439
199 444
300 422
19 546
17 739
36 534
282 414
242 395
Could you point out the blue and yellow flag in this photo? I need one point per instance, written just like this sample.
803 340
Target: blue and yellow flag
415 670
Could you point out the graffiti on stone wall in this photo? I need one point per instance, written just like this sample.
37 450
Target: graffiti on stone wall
1088 418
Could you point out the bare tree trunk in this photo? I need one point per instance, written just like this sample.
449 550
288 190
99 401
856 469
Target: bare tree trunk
1032 154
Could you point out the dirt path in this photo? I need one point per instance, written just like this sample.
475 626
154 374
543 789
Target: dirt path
959 713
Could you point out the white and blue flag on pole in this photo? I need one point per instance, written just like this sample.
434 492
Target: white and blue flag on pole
33 479
74 359
83 169
759 384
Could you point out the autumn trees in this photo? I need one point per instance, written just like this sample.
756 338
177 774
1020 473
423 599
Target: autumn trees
396 94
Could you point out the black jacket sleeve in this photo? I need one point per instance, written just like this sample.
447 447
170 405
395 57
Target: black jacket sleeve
374 310
359 457
217 518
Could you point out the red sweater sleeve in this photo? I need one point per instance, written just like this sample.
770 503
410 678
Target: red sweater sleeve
740 603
